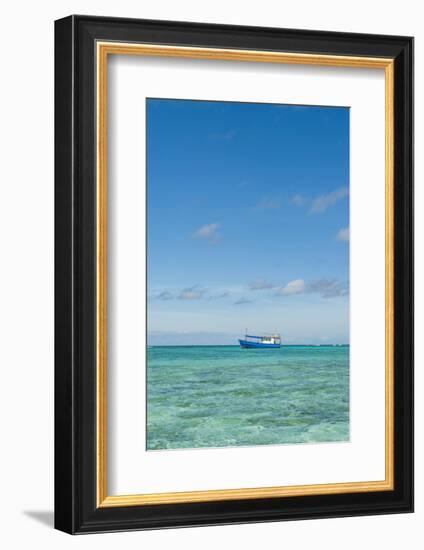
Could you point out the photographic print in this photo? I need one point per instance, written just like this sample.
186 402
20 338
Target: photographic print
233 274
247 274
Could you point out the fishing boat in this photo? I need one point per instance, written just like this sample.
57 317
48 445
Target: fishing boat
270 341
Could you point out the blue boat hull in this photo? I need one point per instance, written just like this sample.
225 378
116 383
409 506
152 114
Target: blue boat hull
248 344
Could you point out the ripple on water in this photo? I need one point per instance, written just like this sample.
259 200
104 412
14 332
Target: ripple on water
224 396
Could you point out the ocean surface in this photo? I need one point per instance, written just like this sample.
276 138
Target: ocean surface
220 396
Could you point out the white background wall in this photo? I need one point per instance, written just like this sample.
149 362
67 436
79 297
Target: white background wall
26 274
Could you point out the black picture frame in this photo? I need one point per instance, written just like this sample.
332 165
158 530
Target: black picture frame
76 510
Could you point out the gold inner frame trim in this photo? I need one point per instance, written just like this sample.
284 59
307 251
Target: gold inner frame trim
104 49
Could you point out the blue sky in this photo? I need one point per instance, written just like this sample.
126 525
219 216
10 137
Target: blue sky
248 222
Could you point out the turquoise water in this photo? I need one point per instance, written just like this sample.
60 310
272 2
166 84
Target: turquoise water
219 396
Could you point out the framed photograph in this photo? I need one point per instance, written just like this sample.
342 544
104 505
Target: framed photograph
234 276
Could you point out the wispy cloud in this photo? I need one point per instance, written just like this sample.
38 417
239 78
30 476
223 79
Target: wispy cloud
326 288
261 284
209 233
164 295
298 200
191 293
293 287
228 135
329 288
219 296
267 203
194 292
343 234
241 301
321 203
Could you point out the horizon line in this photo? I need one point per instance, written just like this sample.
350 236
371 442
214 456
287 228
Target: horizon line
237 345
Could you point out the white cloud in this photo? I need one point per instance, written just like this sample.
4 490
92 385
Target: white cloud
326 288
293 287
267 203
260 284
191 293
321 203
164 295
343 234
209 233
242 301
